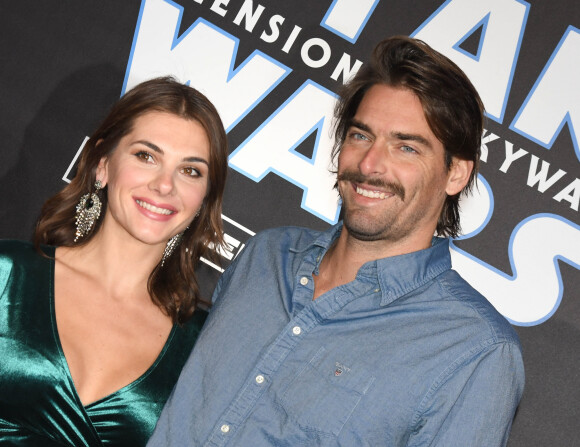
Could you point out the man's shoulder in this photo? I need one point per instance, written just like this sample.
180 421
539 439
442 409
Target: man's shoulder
273 247
290 237
478 307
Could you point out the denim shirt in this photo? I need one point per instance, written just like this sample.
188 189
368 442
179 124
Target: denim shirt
407 354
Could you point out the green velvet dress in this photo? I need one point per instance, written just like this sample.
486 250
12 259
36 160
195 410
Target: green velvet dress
39 405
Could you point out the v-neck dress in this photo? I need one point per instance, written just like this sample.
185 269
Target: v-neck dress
39 405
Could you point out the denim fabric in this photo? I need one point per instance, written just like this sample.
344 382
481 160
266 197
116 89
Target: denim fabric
408 354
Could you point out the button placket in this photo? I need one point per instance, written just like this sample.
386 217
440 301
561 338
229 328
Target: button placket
265 368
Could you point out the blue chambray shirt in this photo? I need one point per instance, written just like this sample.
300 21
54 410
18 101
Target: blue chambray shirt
408 354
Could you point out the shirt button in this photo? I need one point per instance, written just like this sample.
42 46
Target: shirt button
304 280
259 379
296 330
225 428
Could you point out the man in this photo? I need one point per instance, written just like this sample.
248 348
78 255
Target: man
363 335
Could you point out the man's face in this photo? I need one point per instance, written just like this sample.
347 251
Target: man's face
392 175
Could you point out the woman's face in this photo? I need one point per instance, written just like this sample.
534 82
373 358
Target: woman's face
156 178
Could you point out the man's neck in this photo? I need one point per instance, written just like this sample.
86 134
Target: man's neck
347 255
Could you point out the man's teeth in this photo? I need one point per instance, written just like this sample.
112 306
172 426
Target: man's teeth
371 194
154 208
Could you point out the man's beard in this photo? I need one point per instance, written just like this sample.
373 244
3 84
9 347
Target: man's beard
371 231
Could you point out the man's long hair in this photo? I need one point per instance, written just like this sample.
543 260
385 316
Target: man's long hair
452 106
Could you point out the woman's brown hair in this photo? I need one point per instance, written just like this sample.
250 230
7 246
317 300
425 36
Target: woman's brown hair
173 287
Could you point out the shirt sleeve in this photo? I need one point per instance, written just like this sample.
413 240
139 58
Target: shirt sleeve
474 401
223 280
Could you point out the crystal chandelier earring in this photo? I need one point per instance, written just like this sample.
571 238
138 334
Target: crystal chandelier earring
88 211
171 246
174 242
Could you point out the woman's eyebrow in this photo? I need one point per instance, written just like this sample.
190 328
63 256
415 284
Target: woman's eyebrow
157 149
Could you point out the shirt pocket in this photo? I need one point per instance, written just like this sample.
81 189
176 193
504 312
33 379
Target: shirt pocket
323 395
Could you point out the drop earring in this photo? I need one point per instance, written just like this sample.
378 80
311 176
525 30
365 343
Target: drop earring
170 247
88 211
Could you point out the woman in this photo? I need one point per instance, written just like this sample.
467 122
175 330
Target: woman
96 323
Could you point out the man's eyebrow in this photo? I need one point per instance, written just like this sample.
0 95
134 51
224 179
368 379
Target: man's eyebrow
411 137
360 125
157 149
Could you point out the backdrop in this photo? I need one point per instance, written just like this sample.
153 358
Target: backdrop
272 68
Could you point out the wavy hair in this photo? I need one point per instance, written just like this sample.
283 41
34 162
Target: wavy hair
452 106
173 287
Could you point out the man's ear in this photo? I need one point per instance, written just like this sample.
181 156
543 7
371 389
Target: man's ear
458 175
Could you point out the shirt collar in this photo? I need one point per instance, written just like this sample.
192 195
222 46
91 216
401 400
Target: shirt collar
399 275
323 240
396 275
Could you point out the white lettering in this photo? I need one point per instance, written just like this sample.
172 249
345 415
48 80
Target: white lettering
251 17
492 71
532 292
510 157
484 140
541 176
274 22
555 98
202 55
271 148
325 52
343 67
571 194
217 7
291 38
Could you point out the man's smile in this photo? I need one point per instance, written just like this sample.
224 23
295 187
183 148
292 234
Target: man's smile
373 194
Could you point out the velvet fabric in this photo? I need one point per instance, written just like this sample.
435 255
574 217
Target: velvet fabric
39 405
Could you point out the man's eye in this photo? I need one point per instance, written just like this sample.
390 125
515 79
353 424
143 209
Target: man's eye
408 149
358 136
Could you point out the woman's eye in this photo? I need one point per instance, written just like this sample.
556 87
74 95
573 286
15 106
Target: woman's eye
192 172
144 155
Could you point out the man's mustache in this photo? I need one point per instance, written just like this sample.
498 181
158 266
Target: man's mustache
357 177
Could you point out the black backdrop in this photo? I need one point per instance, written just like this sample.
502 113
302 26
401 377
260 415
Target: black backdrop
65 62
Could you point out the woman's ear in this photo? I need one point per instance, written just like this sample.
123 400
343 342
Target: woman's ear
458 175
102 173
